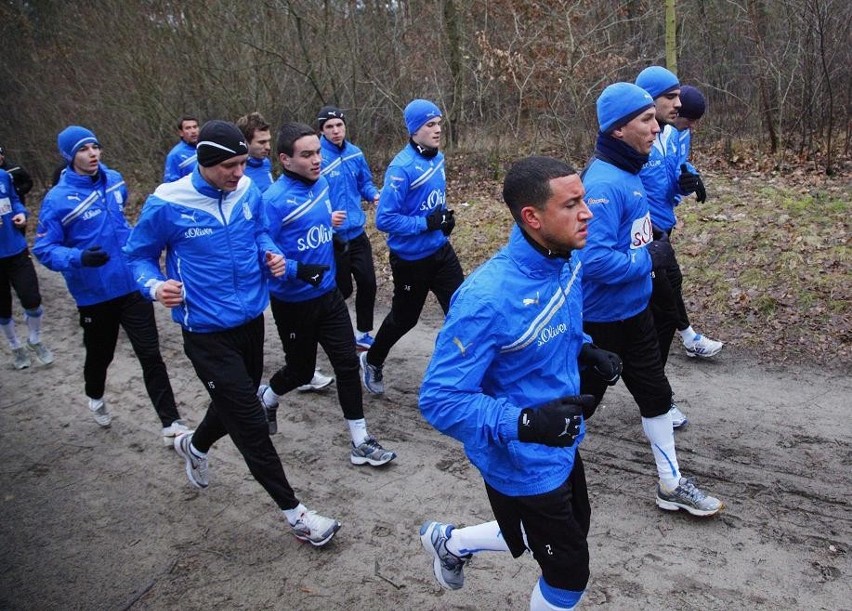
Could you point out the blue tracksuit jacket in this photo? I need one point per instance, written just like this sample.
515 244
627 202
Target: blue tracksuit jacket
684 143
215 244
617 273
510 341
79 213
297 216
12 241
180 161
350 180
260 172
414 186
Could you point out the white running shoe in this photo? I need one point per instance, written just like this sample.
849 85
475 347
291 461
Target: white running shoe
318 382
99 412
270 410
42 353
314 528
447 567
679 419
702 347
196 467
178 427
689 497
370 453
371 376
20 358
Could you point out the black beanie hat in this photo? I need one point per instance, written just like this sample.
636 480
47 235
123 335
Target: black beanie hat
329 112
218 141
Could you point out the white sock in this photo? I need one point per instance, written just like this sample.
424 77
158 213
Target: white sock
96 404
358 431
9 332
484 537
33 319
364 332
659 432
269 398
197 453
688 334
293 515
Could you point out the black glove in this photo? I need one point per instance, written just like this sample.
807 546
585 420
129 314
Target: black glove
448 227
604 363
691 183
556 423
311 273
341 246
662 253
438 219
94 257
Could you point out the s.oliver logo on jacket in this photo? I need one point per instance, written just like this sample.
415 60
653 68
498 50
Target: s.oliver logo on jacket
315 237
197 232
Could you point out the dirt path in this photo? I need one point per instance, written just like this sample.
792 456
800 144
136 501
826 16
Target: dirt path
104 519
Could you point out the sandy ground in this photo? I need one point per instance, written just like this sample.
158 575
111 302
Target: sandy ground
104 519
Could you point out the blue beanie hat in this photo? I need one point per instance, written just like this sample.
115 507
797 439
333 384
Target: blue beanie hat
418 113
656 80
72 138
619 104
692 103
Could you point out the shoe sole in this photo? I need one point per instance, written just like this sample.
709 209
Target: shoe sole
46 361
105 422
681 424
672 506
709 355
426 542
187 462
322 541
365 460
312 387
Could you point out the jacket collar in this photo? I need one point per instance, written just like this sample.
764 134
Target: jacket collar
532 258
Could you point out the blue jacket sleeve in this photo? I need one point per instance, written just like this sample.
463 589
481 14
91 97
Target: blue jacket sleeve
451 397
269 228
143 248
17 206
48 246
365 181
391 215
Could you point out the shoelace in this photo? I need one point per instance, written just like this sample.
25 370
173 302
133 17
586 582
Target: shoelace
692 491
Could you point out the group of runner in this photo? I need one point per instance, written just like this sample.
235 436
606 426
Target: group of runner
587 291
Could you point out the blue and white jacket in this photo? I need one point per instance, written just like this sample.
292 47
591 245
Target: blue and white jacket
260 172
297 215
510 341
414 186
684 143
215 245
617 272
180 161
659 176
76 214
350 179
12 241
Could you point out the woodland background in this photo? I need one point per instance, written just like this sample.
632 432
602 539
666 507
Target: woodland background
514 76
